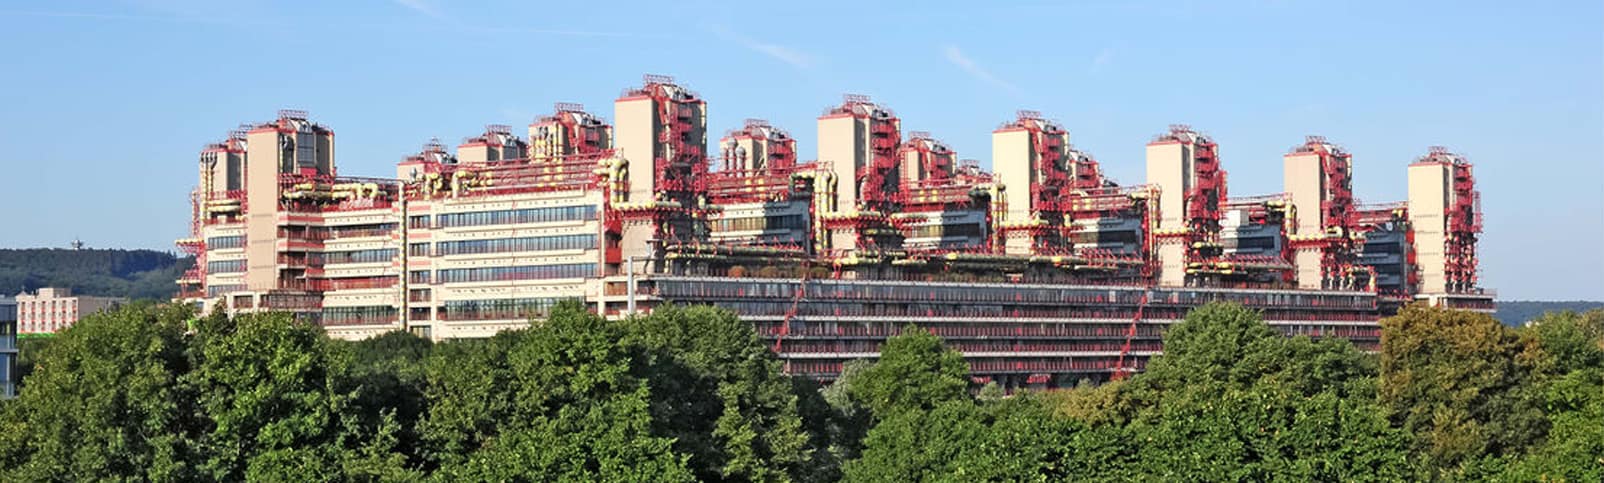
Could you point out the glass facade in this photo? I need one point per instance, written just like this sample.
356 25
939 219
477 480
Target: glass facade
523 244
385 255
531 272
1041 332
368 315
529 215
222 242
8 347
497 309
225 266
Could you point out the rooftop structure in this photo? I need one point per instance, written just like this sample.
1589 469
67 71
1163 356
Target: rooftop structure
1043 272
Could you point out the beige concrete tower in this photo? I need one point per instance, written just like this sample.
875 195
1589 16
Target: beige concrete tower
569 131
661 130
496 144
661 134
757 146
855 135
858 145
1444 211
222 166
1318 180
925 158
1030 158
1184 166
289 145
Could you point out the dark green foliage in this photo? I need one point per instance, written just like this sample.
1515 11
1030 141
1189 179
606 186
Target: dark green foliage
719 392
136 274
150 392
560 403
389 371
279 401
919 444
915 372
1233 399
106 401
1463 384
1572 341
1573 401
29 349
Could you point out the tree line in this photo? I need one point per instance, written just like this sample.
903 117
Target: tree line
136 274
156 392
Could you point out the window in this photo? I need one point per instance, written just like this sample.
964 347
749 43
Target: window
493 309
225 266
216 290
418 249
418 276
779 222
532 272
224 242
418 221
355 256
374 314
525 244
530 215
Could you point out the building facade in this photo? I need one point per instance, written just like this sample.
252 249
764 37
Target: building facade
8 347
52 309
1041 271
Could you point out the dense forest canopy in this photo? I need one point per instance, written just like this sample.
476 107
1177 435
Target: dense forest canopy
136 274
155 392
1518 312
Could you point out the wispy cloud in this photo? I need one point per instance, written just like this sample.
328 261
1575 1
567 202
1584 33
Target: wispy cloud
957 58
443 22
428 9
139 18
1103 59
422 7
778 52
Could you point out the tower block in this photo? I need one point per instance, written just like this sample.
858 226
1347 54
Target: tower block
661 133
1185 167
1318 179
1030 156
858 143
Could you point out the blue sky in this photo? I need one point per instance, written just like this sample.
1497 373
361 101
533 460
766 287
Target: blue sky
104 105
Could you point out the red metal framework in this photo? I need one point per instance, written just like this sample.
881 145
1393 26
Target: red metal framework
1338 250
568 131
1088 173
1463 217
1050 196
1052 180
779 148
877 183
931 181
754 177
925 158
679 163
1201 202
1120 372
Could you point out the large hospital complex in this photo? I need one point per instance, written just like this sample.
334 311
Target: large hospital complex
1042 271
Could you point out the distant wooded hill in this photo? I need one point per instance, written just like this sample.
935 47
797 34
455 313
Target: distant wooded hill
1518 312
136 274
